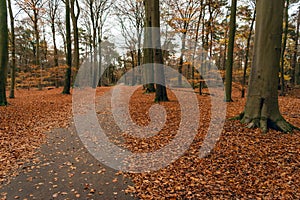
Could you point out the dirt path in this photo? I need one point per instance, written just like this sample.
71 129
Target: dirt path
63 169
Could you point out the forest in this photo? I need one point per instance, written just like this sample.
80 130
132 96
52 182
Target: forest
149 99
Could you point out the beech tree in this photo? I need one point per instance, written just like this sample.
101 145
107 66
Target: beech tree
67 85
75 12
229 61
131 16
52 14
285 36
13 51
3 51
161 91
34 9
295 67
262 109
247 53
148 53
181 21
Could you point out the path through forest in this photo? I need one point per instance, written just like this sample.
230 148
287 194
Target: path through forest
243 164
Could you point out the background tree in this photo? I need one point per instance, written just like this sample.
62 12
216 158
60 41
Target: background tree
13 51
161 91
98 12
53 8
247 53
75 12
131 15
296 66
33 9
181 20
229 61
262 109
67 85
285 36
148 52
3 51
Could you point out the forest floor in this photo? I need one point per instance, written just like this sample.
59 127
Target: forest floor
42 156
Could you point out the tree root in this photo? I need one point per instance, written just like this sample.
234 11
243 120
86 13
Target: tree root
284 126
265 123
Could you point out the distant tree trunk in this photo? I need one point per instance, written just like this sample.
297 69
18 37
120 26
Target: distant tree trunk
183 41
262 109
52 14
3 51
100 56
225 46
286 27
132 53
229 61
148 52
13 52
37 44
161 91
196 43
74 17
67 85
195 46
247 53
294 64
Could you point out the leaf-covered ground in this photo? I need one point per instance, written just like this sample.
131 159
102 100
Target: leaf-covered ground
243 164
23 124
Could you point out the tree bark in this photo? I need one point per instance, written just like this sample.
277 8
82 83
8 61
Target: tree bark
148 52
161 91
13 52
52 14
67 85
247 53
183 41
3 52
262 109
229 61
294 64
74 17
286 27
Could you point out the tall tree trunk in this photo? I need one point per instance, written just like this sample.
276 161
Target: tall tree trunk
262 109
100 56
67 85
3 52
196 42
294 64
205 47
161 91
53 30
74 18
286 27
133 66
229 61
247 53
183 41
225 45
37 44
139 57
148 52
13 52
